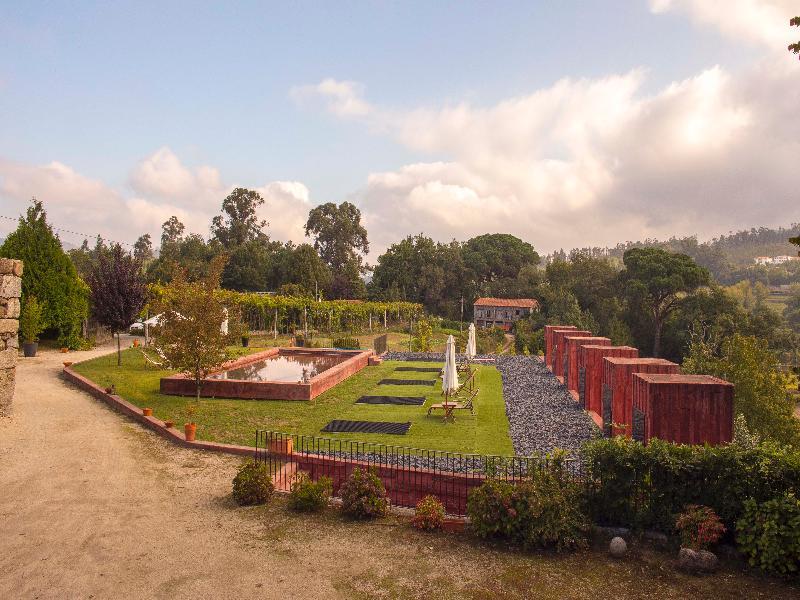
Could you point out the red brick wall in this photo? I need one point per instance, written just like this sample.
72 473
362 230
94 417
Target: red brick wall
548 341
686 409
590 360
559 349
617 386
572 345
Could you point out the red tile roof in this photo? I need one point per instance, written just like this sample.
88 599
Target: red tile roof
512 302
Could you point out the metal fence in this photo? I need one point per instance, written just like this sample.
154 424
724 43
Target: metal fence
408 474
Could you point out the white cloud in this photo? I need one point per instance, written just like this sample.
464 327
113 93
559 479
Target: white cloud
342 98
763 22
160 186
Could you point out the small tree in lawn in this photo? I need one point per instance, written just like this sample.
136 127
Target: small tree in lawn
189 333
118 291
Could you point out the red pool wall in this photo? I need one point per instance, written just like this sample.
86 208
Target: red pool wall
617 387
559 347
548 340
685 409
590 362
573 344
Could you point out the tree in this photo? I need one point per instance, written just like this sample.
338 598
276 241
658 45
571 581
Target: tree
189 333
498 255
239 222
171 232
191 254
656 280
794 22
49 275
118 291
760 386
143 249
341 241
250 266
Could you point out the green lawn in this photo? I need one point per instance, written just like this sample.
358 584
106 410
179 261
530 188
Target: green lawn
235 421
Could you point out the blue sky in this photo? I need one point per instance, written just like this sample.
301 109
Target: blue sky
100 88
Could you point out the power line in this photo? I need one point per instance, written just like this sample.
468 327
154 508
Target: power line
85 236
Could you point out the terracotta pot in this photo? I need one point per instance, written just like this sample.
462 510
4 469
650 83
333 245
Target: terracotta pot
111 390
453 525
64 350
67 363
190 429
147 412
281 446
169 424
135 343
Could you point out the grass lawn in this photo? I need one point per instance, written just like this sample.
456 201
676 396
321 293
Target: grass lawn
235 421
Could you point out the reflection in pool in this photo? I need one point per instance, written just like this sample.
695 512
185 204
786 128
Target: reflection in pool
294 367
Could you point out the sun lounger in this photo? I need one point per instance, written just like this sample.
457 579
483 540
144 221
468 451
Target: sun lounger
450 407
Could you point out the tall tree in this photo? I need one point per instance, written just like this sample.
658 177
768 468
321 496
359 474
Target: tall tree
656 280
49 275
239 222
143 249
118 291
497 255
171 232
190 326
342 242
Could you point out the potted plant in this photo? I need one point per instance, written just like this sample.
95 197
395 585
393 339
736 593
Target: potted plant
30 325
245 339
190 427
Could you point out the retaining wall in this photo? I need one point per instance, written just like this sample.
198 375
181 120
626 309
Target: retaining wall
559 350
571 370
548 341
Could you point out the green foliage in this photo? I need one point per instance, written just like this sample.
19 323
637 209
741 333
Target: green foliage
423 338
252 484
239 222
428 514
527 337
189 331
795 48
699 527
544 511
346 343
769 534
363 495
760 392
49 275
639 486
31 320
655 281
307 495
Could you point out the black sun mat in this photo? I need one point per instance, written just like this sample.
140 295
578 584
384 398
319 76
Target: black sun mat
406 382
404 400
420 369
338 426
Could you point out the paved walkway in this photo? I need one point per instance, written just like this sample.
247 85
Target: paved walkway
93 506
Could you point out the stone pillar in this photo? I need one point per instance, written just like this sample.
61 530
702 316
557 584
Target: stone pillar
10 291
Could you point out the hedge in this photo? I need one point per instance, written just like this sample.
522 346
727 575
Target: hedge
629 484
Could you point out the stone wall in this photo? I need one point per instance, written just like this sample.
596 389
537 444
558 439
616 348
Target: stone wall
10 291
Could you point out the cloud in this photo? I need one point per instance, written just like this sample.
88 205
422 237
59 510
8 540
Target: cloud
342 98
764 22
160 185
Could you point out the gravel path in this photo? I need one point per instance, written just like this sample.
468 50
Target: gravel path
541 412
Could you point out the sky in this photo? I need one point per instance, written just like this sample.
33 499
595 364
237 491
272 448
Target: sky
568 124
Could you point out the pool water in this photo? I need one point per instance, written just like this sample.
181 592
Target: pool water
285 367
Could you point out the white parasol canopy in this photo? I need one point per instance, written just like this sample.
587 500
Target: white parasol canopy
450 376
471 351
223 329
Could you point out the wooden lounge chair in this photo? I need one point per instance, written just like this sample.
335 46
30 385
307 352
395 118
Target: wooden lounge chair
450 407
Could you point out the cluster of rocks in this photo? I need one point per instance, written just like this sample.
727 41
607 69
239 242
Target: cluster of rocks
10 292
542 414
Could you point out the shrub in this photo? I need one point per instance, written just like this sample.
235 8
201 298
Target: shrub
769 534
363 495
632 485
307 495
429 514
30 320
423 339
252 484
699 527
545 511
346 343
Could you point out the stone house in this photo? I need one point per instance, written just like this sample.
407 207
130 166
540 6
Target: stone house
502 312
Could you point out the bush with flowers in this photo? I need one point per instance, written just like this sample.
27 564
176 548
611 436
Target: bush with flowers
699 527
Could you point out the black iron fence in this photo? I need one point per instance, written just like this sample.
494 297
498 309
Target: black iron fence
409 474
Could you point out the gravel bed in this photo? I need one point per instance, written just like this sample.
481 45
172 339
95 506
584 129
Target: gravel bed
541 413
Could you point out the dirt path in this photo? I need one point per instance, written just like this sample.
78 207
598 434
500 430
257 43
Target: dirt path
93 506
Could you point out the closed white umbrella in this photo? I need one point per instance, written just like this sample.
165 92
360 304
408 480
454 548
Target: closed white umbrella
223 329
471 350
450 376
